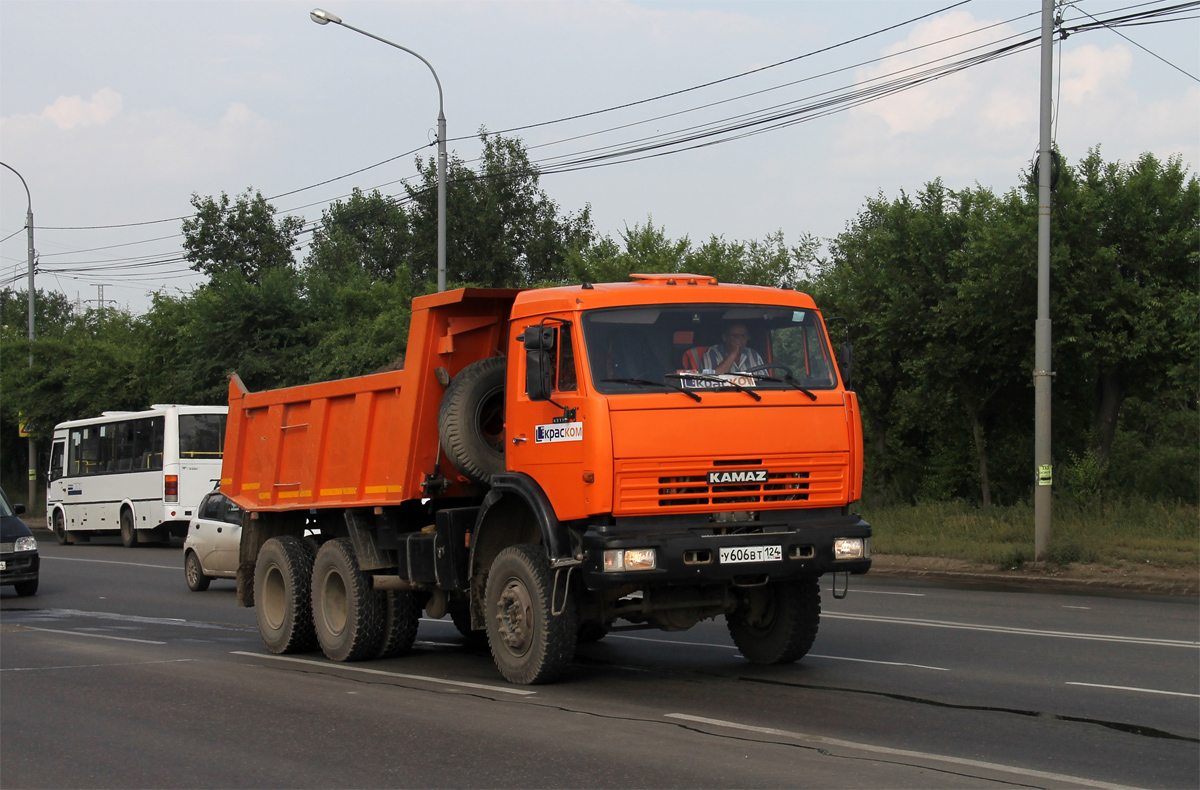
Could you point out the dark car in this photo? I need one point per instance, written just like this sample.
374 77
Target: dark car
19 561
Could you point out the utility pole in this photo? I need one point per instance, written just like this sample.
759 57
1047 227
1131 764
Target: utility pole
32 445
1042 373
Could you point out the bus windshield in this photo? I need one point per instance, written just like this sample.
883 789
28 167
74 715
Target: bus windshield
201 435
720 345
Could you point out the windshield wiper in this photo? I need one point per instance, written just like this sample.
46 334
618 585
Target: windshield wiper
789 381
717 379
649 383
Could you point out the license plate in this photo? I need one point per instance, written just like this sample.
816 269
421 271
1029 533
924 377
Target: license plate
732 554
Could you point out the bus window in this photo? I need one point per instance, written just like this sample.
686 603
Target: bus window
147 443
201 435
86 450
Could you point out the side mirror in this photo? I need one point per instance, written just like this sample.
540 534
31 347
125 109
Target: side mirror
539 364
846 364
18 509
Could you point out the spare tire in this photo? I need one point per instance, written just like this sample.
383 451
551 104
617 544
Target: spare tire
471 420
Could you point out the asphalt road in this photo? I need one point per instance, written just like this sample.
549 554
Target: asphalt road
116 675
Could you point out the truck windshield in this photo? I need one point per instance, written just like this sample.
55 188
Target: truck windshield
632 349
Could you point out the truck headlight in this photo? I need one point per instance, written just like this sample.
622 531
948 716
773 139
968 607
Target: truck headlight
850 549
629 560
25 544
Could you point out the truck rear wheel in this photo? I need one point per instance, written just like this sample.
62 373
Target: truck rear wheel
529 643
282 576
471 419
346 610
401 615
777 624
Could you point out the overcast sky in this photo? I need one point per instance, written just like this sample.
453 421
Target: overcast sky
116 112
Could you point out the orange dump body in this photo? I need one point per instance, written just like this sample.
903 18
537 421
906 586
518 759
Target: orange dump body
361 441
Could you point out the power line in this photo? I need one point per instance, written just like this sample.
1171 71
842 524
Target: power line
1139 46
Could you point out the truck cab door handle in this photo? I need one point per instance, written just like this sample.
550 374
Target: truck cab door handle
519 440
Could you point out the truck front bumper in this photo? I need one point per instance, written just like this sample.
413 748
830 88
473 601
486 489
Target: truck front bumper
693 556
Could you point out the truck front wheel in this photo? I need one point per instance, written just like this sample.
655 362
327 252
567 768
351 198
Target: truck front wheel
529 643
777 624
346 610
282 575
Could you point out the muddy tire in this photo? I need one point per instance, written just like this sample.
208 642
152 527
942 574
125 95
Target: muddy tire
401 614
282 598
59 525
471 420
528 643
777 624
346 609
194 573
592 631
129 536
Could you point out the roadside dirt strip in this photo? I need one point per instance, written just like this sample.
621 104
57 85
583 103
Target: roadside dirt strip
1040 577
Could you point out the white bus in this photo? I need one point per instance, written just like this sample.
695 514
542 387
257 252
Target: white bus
139 474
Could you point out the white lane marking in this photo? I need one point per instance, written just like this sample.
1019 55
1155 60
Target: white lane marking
425 678
94 666
885 663
866 747
115 562
41 615
887 592
810 655
1088 608
676 642
1134 688
97 636
999 629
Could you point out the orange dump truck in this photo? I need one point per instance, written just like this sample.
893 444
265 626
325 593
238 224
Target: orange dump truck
554 464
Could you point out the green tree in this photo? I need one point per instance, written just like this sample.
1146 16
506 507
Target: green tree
244 237
502 230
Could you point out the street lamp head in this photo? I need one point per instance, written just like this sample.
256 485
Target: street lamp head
324 17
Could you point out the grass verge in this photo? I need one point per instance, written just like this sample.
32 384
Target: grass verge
1160 534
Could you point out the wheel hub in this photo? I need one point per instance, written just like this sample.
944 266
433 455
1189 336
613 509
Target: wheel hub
515 615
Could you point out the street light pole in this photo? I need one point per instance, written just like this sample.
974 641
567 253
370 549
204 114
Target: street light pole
324 18
29 236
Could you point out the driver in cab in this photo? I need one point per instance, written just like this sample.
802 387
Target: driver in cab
733 355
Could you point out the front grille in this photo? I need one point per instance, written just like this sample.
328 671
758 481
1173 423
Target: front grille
7 548
680 486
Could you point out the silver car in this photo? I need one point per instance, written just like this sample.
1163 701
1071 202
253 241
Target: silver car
211 548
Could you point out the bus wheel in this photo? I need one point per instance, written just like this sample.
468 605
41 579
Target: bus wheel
777 624
529 643
128 533
282 576
346 612
60 528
